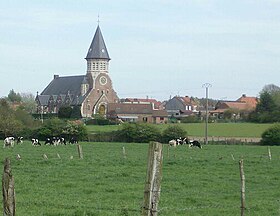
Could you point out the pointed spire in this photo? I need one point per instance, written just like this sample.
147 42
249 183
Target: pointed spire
97 49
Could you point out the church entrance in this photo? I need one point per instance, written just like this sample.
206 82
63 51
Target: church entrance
101 110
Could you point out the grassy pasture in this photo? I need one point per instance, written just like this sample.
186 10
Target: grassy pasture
198 129
195 182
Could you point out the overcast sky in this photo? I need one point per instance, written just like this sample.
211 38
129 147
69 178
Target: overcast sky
159 48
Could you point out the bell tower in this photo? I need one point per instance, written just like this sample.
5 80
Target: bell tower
100 84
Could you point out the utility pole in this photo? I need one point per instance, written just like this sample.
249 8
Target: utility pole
206 86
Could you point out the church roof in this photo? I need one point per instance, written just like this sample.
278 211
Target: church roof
64 85
97 49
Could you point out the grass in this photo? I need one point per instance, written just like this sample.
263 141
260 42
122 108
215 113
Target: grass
198 129
195 182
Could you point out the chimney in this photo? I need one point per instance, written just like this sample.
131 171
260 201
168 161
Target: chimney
244 95
55 76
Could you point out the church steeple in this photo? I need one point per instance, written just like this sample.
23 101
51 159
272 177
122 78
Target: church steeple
97 49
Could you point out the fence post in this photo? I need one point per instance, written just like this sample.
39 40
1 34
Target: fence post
242 177
124 152
8 182
80 151
153 179
269 153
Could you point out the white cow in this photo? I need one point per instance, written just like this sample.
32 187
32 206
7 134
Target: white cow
9 142
172 143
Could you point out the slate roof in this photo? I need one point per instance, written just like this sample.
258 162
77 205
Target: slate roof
64 85
97 49
68 85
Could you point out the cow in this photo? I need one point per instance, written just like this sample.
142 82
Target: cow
73 140
173 142
19 140
195 143
9 142
62 140
179 141
35 142
49 141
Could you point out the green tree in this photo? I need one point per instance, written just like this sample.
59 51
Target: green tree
266 103
9 125
271 136
13 96
65 112
28 102
76 112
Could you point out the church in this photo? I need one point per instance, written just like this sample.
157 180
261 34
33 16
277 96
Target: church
91 92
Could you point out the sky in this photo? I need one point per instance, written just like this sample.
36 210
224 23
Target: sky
158 48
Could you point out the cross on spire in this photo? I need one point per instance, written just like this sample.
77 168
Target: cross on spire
98 21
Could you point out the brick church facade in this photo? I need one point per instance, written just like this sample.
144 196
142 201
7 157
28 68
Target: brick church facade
91 92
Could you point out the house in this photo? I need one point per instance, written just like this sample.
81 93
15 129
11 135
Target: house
156 104
91 92
243 104
181 106
137 112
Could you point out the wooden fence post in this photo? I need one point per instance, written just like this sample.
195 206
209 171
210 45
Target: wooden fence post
80 151
124 152
153 179
242 177
269 153
8 182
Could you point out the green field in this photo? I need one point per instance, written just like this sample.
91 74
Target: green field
198 129
195 182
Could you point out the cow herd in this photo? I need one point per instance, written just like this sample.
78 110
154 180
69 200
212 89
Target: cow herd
184 141
10 141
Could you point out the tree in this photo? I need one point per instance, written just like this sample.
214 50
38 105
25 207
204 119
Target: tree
266 103
271 136
9 125
14 97
29 103
64 112
76 112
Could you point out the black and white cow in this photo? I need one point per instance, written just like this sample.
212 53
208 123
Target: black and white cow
195 143
49 141
179 141
35 142
19 140
73 140
9 142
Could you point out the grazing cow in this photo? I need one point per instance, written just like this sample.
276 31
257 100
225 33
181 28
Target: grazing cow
172 143
9 142
62 140
49 141
195 143
35 142
19 140
73 140
178 141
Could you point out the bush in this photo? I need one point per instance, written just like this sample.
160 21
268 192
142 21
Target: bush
172 132
271 136
138 132
58 127
191 119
